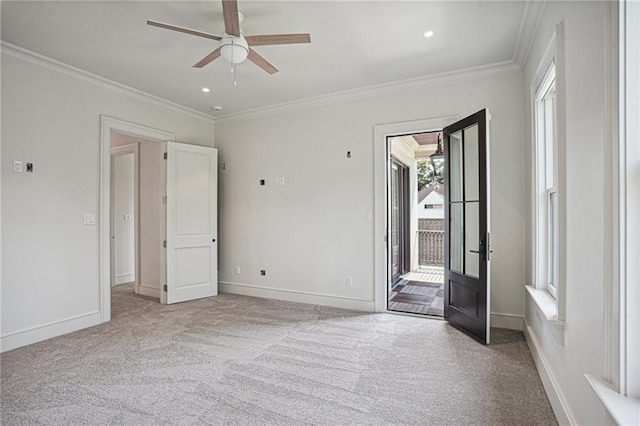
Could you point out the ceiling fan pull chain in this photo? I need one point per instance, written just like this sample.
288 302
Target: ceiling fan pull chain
235 74
233 65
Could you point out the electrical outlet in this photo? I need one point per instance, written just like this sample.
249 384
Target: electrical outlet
29 167
281 181
276 181
263 272
262 182
237 270
89 219
349 281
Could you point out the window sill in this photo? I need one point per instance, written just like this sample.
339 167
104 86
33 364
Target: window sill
624 410
547 306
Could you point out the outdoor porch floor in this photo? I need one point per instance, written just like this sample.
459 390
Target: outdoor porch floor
419 292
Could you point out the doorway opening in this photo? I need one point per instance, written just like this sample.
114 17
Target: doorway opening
137 216
415 205
131 134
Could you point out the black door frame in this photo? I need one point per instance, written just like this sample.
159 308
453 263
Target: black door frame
404 217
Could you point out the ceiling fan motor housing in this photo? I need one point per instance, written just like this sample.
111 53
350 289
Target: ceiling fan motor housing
233 49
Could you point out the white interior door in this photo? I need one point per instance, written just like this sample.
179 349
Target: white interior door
191 221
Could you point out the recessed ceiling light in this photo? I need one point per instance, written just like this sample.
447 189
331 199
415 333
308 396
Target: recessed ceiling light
206 90
217 108
428 34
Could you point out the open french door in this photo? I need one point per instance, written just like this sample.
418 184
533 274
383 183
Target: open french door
467 226
191 222
399 220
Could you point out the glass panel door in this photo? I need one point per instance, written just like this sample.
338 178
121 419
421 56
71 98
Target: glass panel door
399 220
467 226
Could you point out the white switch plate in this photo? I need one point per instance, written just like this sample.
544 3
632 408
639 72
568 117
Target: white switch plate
369 215
349 281
237 270
276 181
89 219
281 181
17 166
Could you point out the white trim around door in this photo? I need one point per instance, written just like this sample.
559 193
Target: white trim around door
380 157
108 125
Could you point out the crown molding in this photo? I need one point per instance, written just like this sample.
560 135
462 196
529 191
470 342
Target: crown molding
435 80
55 65
529 23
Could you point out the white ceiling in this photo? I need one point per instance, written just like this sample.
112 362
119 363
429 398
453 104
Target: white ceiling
355 44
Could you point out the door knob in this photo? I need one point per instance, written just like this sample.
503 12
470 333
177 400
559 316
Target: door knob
213 241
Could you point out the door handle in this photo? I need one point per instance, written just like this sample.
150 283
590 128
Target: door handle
213 241
475 251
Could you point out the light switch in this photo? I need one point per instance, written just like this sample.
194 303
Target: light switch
127 217
281 181
17 166
369 215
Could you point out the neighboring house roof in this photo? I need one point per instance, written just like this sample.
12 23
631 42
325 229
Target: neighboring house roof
424 192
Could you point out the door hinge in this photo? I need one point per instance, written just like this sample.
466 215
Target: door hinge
164 244
165 287
165 155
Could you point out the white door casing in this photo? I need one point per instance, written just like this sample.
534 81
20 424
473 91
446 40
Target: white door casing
191 222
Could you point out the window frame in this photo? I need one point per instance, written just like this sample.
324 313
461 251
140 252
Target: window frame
545 140
619 388
552 309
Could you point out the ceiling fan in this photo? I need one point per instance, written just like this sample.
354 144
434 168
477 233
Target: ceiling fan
234 46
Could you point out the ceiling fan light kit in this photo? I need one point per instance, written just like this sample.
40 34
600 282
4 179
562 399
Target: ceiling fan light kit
234 49
233 46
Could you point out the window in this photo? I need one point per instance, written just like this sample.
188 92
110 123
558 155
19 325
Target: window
547 183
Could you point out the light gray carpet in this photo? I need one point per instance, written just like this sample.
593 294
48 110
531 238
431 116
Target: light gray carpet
242 360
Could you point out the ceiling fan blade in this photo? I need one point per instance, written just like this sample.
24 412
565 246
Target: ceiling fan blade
207 59
265 40
261 62
231 18
183 30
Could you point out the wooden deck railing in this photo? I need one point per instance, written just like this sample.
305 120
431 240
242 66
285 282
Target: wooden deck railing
430 247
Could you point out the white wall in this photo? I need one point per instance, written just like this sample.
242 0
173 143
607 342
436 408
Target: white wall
123 218
50 274
578 349
312 232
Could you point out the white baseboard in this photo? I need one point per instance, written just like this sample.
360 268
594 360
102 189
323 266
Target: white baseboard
549 381
122 279
47 331
148 291
509 321
296 296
